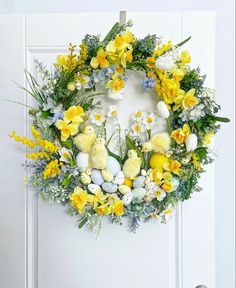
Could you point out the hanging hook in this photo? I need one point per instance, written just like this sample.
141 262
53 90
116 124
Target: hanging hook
122 17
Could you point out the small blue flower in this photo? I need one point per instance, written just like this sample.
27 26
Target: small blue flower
57 116
148 83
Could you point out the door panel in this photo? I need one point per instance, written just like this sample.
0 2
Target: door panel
58 254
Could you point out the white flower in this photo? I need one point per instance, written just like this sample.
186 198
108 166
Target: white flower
138 115
160 194
97 118
197 113
117 96
162 110
148 121
65 155
112 112
84 81
165 63
137 128
191 142
168 212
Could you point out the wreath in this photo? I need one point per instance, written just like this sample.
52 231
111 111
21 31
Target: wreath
80 157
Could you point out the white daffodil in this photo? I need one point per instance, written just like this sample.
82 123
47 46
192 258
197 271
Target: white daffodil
116 96
191 142
97 118
137 128
112 112
148 121
65 154
138 115
160 194
162 110
165 63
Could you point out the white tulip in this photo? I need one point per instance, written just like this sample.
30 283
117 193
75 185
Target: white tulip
162 110
165 63
116 96
191 142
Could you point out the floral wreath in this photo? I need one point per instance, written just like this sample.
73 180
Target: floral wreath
161 156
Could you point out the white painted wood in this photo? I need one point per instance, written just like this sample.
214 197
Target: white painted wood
60 255
198 214
12 117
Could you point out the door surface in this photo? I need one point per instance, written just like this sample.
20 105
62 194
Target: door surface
42 243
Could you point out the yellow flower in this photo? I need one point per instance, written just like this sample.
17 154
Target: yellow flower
74 114
100 60
67 130
189 100
157 161
208 137
115 84
52 169
67 62
128 182
196 162
125 57
157 175
175 166
161 49
167 176
128 37
78 199
185 57
167 186
101 209
37 155
119 208
178 74
178 135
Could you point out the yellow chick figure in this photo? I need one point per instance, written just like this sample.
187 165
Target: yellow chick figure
98 155
159 143
85 140
132 165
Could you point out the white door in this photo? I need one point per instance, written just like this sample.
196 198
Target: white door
41 245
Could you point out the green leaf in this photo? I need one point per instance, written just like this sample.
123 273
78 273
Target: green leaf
117 157
68 144
82 222
219 119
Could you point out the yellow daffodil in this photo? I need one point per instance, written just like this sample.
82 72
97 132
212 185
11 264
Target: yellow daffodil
74 114
52 169
175 166
178 135
167 176
115 84
185 57
100 60
78 199
125 57
67 130
189 100
157 175
101 209
208 138
128 37
119 208
178 74
167 186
